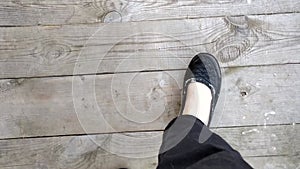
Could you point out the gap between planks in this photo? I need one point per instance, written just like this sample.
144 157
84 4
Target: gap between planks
149 20
143 131
142 71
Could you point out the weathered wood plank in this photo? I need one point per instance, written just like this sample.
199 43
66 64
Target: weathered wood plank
280 162
33 12
161 45
260 94
263 140
139 150
142 101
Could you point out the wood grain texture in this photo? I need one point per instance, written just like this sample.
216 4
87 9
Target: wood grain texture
142 101
278 144
161 45
57 12
280 162
263 140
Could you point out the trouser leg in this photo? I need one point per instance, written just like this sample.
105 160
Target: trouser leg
188 143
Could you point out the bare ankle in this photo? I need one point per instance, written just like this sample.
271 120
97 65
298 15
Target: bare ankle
198 102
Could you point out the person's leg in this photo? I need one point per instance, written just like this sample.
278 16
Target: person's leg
198 149
198 102
187 141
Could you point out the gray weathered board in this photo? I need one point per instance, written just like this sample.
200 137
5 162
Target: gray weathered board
274 162
37 12
161 45
268 147
260 95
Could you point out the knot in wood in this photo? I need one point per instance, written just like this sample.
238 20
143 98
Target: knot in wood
112 16
52 53
237 41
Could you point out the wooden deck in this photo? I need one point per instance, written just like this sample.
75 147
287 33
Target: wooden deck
93 83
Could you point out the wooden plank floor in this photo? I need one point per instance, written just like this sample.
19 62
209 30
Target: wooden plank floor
92 84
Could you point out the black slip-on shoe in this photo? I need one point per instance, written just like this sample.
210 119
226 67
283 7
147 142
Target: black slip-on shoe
203 68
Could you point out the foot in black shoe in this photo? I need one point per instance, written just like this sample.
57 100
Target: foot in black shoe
203 68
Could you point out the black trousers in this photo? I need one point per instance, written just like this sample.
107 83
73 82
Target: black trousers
189 144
